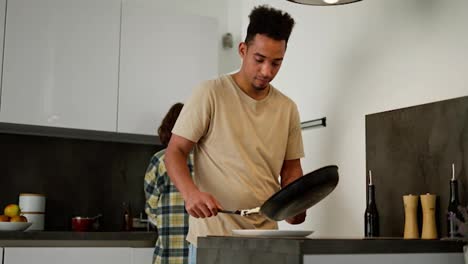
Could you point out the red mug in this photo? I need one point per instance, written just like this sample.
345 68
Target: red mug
84 224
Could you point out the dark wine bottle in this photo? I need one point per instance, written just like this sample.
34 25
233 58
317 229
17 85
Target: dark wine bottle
371 216
453 206
127 219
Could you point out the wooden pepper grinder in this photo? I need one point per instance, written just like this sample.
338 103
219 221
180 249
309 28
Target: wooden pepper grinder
411 219
428 203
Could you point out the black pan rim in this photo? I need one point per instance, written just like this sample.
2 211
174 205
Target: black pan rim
281 191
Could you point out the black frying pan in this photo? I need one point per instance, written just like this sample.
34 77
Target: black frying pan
297 196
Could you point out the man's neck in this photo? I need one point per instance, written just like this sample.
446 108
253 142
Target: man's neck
247 88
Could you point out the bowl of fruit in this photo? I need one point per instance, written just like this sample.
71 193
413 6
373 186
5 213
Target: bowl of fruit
12 220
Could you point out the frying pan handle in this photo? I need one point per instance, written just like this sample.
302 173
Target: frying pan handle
245 212
237 212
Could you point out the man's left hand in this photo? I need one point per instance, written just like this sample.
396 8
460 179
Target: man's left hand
297 219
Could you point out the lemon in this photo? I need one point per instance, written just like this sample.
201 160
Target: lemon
12 210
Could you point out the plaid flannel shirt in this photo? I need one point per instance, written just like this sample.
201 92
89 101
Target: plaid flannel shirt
165 207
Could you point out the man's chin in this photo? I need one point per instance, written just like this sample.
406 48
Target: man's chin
260 88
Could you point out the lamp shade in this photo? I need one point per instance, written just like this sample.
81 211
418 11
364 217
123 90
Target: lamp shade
323 2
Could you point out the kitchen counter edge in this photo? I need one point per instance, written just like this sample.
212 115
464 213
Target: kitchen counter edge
306 246
77 239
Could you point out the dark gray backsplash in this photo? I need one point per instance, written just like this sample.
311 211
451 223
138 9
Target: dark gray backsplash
78 177
410 151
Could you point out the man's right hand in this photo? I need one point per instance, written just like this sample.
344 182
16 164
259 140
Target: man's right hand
201 204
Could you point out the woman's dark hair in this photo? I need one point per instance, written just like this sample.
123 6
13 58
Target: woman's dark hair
164 130
271 22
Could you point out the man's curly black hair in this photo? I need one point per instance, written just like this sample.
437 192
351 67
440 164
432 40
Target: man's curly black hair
271 22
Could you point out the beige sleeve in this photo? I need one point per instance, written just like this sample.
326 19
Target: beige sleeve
194 119
295 148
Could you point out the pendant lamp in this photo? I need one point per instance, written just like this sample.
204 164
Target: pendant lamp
323 2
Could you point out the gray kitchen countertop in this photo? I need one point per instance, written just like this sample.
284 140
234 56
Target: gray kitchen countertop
331 245
257 250
77 239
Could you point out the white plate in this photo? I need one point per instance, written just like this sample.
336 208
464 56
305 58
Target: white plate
271 233
14 226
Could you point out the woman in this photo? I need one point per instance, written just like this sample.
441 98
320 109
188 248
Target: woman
164 204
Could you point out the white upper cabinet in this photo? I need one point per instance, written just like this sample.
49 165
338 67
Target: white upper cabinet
61 63
163 57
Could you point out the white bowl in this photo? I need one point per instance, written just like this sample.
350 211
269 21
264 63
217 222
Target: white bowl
14 226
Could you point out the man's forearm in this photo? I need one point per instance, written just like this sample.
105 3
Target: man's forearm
290 172
198 204
178 171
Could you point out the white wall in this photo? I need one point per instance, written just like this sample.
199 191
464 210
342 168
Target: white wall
225 11
347 61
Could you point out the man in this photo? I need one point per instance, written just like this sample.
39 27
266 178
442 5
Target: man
245 132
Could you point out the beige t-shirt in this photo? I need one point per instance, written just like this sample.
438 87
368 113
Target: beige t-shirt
241 146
